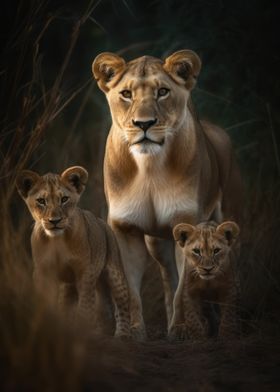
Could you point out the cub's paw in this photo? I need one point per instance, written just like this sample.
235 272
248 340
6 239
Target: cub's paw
123 336
138 333
177 333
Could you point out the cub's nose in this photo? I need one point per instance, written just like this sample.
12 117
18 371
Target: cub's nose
208 268
144 125
55 221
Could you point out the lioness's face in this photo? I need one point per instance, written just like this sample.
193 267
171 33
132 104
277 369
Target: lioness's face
146 109
147 97
52 198
206 247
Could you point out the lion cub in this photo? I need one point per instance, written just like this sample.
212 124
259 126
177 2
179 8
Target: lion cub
72 249
205 263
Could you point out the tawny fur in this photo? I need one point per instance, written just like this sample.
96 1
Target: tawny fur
73 250
178 170
207 275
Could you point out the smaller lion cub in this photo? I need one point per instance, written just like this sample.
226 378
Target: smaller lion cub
72 249
205 260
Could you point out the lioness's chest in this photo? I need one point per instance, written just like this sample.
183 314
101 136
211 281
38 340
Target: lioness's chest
151 203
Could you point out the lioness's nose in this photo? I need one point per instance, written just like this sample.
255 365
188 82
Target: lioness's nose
55 221
144 125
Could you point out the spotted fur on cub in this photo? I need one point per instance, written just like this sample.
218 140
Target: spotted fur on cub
207 276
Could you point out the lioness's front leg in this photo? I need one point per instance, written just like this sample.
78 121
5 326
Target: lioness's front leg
187 318
134 257
177 328
162 250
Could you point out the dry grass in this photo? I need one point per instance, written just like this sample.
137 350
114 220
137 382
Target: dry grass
38 351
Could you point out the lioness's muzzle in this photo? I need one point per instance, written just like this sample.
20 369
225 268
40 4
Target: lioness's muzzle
146 140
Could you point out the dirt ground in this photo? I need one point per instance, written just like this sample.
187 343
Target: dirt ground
212 366
39 353
251 363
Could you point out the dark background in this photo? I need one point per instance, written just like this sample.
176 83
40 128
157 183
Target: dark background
238 87
54 116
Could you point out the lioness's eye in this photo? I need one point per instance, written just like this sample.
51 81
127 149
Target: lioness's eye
126 94
163 91
196 251
216 250
41 201
64 199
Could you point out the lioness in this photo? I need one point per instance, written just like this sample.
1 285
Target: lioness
208 274
162 165
72 250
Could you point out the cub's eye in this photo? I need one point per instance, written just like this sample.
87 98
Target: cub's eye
196 251
216 250
64 199
41 201
163 91
126 94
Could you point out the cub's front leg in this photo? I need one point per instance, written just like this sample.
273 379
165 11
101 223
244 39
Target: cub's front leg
120 296
229 324
67 299
46 283
195 325
118 286
87 297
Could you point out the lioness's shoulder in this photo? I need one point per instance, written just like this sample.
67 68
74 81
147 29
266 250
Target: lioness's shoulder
217 135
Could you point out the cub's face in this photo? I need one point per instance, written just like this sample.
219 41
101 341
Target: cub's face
147 97
206 247
52 198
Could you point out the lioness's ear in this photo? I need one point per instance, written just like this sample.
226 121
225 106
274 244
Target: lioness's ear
182 232
25 182
75 176
230 230
106 67
184 67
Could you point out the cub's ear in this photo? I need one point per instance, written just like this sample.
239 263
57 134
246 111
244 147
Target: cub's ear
184 67
230 230
75 176
106 67
182 232
25 182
